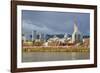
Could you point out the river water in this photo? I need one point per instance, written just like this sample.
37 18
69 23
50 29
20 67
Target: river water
53 56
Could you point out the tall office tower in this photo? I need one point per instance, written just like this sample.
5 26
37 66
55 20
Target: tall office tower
23 38
41 36
34 35
76 36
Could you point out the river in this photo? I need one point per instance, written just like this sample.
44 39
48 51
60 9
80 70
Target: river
53 56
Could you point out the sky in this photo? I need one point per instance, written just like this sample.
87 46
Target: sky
51 22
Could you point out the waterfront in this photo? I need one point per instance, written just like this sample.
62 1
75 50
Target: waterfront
53 56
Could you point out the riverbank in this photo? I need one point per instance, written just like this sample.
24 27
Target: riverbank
55 49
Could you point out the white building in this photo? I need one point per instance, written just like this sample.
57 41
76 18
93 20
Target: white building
76 36
55 38
24 38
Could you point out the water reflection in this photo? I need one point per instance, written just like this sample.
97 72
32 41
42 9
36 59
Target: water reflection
53 56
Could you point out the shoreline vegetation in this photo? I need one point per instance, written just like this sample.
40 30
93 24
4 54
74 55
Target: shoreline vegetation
55 49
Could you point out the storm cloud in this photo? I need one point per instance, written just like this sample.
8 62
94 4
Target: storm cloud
54 22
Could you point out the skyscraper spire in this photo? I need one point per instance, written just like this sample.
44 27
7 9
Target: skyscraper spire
76 36
75 24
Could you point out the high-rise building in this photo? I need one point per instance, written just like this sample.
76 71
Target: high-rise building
41 36
34 35
23 38
37 35
76 36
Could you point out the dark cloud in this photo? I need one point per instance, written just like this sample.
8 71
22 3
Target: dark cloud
54 22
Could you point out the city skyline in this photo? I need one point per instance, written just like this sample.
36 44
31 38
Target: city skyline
54 22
